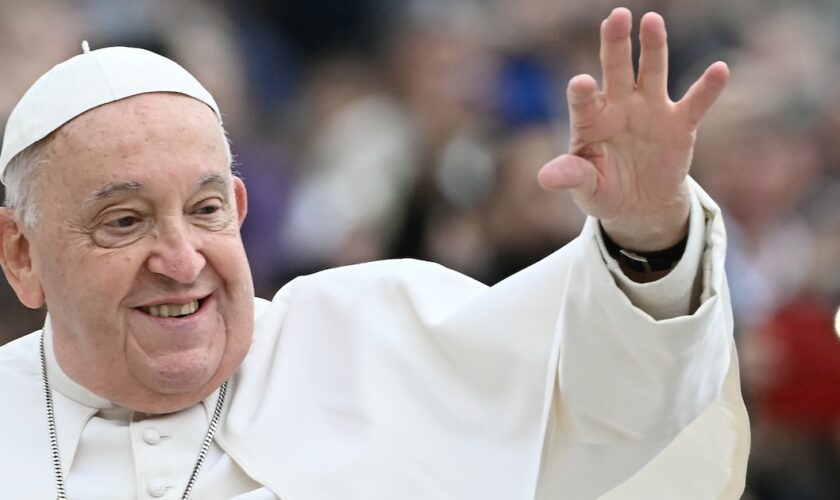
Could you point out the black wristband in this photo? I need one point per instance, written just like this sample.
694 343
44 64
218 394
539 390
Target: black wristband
645 262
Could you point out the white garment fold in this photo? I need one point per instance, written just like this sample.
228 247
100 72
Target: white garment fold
402 379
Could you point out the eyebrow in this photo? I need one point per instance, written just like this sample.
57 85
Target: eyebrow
109 190
217 180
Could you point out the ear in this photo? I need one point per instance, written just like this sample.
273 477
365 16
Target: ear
241 196
16 260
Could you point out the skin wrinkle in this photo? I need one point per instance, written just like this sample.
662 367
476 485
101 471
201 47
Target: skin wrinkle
170 178
216 182
31 163
110 190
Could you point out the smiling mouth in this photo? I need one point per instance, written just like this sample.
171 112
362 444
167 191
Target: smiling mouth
171 310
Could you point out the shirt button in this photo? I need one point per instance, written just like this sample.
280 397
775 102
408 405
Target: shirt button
151 436
156 488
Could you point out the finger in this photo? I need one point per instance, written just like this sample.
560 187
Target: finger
653 60
585 101
616 53
703 93
570 172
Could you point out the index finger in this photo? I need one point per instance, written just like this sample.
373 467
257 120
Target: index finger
704 92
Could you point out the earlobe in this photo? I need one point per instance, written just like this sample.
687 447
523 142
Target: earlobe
16 260
241 196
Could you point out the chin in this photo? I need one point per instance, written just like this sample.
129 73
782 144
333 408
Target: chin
175 381
172 391
181 374
180 383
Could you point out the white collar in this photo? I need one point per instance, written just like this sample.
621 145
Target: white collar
64 384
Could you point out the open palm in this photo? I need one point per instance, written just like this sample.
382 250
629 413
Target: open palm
631 145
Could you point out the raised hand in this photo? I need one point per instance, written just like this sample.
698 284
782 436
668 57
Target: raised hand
631 145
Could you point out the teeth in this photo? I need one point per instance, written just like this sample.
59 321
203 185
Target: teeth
171 310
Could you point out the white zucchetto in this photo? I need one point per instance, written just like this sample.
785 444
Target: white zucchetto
89 80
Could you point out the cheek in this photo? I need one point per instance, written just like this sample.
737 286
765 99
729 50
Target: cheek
116 270
227 258
230 263
97 281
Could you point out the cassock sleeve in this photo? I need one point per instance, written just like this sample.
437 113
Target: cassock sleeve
402 379
647 400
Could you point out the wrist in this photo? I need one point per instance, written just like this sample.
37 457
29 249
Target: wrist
645 262
654 230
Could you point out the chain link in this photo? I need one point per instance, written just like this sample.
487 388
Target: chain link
56 457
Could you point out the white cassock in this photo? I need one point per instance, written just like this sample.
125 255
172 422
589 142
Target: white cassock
404 380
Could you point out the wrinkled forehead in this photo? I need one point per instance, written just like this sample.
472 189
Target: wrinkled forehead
158 115
139 137
156 139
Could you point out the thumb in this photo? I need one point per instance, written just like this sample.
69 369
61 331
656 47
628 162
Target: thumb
570 172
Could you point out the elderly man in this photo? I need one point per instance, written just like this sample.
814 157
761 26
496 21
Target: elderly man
159 375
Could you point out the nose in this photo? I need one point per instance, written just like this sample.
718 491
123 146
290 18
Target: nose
176 255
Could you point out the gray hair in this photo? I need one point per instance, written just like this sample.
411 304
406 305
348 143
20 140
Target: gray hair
25 167
19 177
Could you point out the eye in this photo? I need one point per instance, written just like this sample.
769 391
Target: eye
211 213
120 228
124 222
208 209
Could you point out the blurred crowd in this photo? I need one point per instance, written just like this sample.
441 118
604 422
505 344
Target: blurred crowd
373 129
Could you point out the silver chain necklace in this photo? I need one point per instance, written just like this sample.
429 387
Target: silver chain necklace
56 458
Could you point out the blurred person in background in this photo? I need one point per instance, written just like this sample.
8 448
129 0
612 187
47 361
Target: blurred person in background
763 157
607 368
514 59
361 146
519 229
29 59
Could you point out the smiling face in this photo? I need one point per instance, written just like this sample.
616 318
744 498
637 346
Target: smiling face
138 254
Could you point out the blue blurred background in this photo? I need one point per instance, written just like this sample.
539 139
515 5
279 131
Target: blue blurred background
374 129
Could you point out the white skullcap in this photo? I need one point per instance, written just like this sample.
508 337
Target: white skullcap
89 80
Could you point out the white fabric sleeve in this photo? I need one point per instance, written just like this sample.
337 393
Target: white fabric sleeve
647 398
677 293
